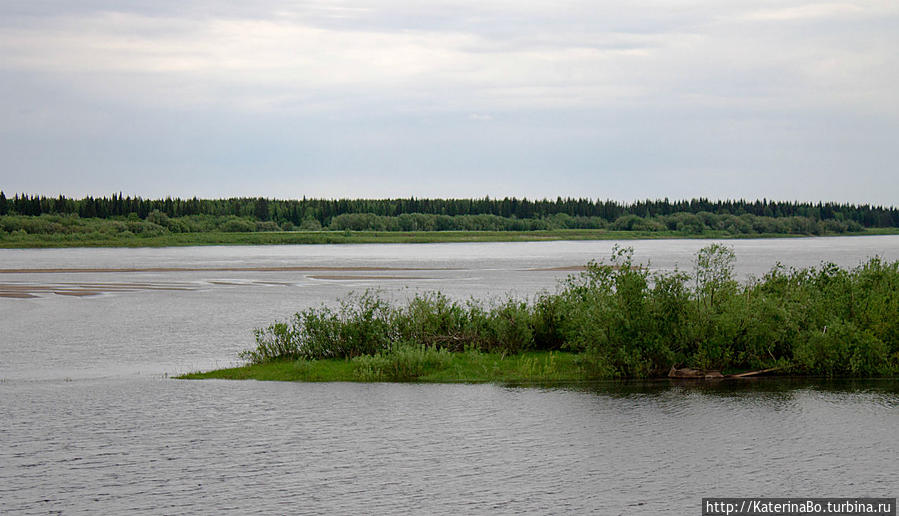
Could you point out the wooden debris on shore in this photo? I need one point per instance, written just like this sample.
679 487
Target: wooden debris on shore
709 374
694 374
750 374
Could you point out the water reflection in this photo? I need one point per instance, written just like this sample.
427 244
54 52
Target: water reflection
725 388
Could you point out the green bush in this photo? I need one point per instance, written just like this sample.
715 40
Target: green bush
267 225
236 225
628 322
401 362
842 349
276 342
310 225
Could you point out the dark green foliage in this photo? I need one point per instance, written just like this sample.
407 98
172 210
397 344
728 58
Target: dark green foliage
507 328
620 320
157 223
401 362
237 225
360 326
548 315
509 214
435 321
842 349
681 224
278 341
310 224
625 321
367 325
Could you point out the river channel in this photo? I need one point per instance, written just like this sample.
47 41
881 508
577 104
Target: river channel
92 423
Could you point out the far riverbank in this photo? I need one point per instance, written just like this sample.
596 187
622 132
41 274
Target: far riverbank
25 241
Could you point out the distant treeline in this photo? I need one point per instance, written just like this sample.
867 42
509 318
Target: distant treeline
324 211
158 223
687 223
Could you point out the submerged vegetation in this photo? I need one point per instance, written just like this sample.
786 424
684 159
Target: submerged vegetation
34 221
614 320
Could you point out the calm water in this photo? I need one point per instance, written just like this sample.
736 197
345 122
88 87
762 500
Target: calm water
89 423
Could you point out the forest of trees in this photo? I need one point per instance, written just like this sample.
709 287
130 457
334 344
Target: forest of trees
566 212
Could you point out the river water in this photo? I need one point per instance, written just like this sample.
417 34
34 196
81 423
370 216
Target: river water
90 421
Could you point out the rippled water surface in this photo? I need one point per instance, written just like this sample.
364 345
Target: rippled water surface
89 423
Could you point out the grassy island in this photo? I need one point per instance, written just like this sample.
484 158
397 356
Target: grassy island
614 320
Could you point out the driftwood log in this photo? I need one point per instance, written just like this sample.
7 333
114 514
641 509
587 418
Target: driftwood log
705 374
696 374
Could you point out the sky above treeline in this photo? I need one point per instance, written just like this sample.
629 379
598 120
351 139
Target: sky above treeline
784 99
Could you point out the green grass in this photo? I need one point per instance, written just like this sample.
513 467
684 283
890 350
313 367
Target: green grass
464 367
284 370
96 239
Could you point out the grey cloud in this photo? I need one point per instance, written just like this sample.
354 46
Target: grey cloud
607 99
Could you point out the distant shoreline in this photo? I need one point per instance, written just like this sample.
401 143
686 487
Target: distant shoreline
31 241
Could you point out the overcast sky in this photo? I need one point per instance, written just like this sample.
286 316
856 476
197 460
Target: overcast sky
789 100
